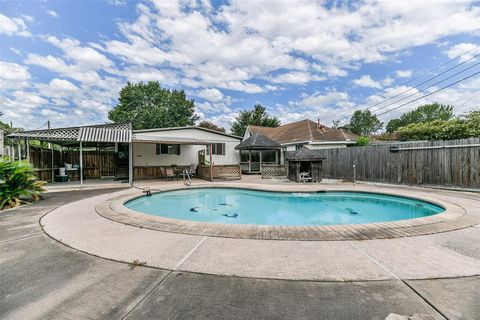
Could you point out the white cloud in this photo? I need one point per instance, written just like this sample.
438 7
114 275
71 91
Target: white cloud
13 26
49 62
317 99
404 73
119 3
13 75
387 81
368 82
296 77
213 94
85 57
465 50
52 13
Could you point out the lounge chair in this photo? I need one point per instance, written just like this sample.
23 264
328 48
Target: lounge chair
169 173
163 174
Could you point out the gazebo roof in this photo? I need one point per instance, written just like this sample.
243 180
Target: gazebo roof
258 142
115 132
305 154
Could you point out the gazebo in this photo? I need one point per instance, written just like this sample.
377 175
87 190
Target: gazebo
257 150
305 165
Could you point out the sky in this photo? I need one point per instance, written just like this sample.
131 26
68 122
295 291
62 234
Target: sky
66 61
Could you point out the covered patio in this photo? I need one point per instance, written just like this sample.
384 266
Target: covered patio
178 156
72 155
258 150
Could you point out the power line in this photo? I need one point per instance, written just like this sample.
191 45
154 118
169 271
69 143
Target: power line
461 106
420 76
445 87
428 80
432 85
424 89
43 125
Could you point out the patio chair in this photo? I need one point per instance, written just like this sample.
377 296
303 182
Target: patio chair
163 174
192 171
169 173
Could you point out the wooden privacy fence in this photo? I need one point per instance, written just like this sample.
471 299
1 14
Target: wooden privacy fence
446 163
274 171
96 164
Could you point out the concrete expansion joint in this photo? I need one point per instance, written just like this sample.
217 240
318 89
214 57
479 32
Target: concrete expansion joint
375 261
189 253
21 238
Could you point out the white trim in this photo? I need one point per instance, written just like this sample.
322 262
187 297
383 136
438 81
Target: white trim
318 142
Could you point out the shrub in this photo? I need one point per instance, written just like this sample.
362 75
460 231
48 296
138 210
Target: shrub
363 141
18 184
435 130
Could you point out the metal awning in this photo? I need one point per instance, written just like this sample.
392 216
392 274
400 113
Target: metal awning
115 132
151 138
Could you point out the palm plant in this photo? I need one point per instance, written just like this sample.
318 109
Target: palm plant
18 183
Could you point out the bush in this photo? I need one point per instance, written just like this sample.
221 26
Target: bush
438 130
363 141
466 127
18 184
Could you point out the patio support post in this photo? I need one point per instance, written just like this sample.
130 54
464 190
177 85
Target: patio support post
260 151
19 150
130 164
51 167
27 148
249 161
81 165
211 162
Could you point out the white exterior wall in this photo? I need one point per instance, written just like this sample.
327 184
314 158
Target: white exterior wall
326 146
144 154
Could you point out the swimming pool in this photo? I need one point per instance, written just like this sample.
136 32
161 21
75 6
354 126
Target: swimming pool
244 206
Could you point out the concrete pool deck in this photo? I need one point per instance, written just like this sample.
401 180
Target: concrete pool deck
440 255
42 279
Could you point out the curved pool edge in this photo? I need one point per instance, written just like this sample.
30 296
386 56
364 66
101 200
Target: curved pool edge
453 218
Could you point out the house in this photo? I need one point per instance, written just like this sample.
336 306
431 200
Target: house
116 151
181 147
292 136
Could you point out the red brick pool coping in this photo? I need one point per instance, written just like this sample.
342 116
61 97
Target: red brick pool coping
453 218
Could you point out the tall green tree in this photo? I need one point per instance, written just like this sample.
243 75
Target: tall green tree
364 123
148 105
211 125
257 116
425 113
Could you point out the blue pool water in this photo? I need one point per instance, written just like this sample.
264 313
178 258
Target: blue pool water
241 206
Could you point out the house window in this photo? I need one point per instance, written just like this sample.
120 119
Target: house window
168 149
217 148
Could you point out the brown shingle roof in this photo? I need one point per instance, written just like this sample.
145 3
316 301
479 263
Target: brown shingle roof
304 130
